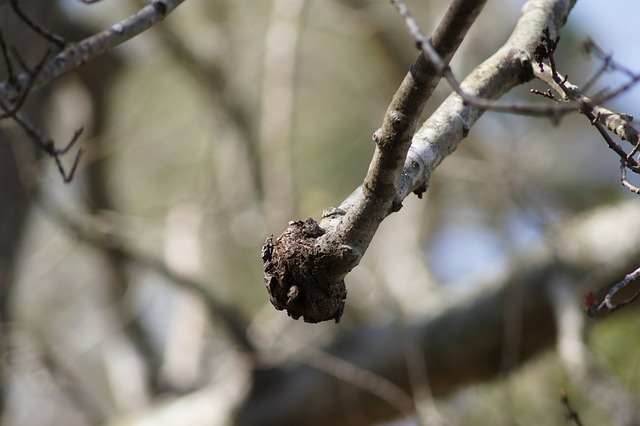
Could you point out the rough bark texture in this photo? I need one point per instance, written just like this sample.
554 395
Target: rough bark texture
297 274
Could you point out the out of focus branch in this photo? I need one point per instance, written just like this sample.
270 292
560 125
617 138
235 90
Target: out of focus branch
98 234
235 109
591 304
77 54
584 369
68 382
571 414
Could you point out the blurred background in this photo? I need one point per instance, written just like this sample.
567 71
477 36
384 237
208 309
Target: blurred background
134 294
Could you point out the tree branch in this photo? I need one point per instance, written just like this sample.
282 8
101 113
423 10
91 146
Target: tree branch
305 267
600 117
77 54
98 234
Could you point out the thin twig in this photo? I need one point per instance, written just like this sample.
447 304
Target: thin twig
607 303
48 146
92 231
55 39
7 60
546 94
623 178
10 112
598 74
555 111
77 54
36 135
359 377
600 117
591 47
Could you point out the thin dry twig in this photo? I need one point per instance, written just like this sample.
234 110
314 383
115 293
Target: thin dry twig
45 143
77 54
17 104
607 303
602 119
43 32
15 89
359 377
94 232
604 67
537 110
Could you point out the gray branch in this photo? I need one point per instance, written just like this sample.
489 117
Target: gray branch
510 66
305 267
77 54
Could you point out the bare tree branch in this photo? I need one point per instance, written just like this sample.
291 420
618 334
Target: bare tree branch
317 291
600 117
305 267
77 54
43 32
92 231
608 303
618 123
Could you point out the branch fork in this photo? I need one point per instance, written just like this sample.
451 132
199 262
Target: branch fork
305 267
